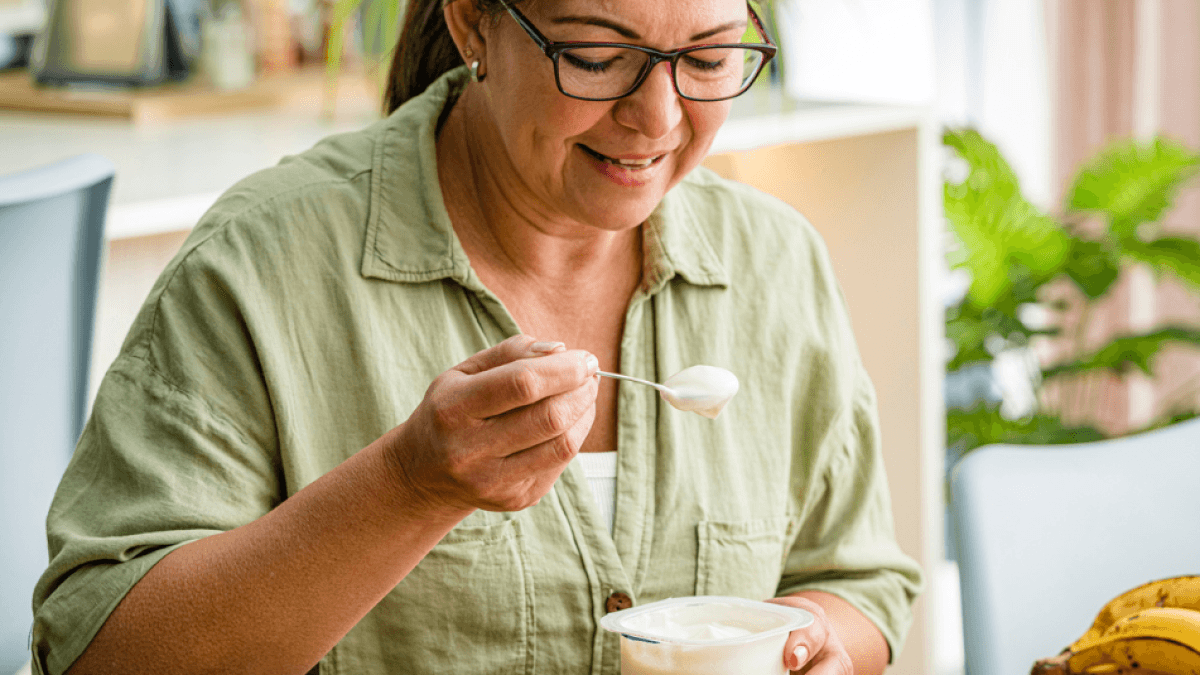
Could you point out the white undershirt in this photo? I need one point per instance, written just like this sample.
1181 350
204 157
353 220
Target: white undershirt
600 468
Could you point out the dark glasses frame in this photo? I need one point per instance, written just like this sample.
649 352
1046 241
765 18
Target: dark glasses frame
553 50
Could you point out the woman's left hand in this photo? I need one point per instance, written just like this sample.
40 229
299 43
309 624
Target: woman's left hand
816 649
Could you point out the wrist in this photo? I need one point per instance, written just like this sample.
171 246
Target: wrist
409 497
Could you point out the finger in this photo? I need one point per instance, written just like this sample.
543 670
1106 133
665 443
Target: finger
799 657
804 644
549 458
544 421
508 387
831 662
515 347
531 473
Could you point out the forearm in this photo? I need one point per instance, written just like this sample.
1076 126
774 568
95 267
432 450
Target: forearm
276 594
864 643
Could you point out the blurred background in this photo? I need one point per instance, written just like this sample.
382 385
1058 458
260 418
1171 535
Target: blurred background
1048 191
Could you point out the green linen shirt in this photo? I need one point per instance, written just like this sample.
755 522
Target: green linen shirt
307 314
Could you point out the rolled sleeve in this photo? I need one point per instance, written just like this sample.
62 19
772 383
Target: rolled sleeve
154 469
846 546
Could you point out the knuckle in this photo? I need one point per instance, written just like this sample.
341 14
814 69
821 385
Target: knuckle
444 418
492 496
520 502
526 384
557 418
576 436
563 449
459 468
514 498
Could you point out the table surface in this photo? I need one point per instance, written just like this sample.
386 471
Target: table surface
168 173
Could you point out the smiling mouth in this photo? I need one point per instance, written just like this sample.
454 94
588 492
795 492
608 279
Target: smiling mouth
630 164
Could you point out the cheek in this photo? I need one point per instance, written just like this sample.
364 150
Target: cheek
540 124
705 120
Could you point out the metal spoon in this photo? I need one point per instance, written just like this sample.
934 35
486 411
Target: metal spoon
703 390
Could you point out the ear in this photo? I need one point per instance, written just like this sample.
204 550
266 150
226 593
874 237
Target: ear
463 17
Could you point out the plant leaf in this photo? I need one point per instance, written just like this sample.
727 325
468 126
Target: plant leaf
984 425
338 16
1178 255
1132 182
1093 266
997 226
1127 351
392 24
968 326
969 335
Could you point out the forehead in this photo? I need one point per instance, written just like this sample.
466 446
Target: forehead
650 18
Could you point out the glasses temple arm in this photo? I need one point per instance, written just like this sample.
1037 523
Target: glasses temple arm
758 24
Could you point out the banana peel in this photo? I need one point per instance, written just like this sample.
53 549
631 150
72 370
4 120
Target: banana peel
1152 629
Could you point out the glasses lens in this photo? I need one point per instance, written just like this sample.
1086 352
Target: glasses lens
599 72
713 73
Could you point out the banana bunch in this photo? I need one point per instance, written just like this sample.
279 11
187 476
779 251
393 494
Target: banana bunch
1153 628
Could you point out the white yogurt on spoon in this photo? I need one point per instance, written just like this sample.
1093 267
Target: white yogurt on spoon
703 390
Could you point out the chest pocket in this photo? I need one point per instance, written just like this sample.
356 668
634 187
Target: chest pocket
742 558
466 608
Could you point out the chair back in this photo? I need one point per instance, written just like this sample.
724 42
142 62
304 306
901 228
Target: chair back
1048 534
51 233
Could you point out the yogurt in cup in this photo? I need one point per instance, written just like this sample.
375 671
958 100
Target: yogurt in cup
705 635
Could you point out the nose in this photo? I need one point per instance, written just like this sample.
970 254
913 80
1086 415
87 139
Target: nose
654 109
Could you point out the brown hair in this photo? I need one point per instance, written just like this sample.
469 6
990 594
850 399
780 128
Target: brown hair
425 51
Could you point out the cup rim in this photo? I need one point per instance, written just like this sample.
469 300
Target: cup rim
796 618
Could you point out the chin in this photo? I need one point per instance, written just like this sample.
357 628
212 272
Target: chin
616 215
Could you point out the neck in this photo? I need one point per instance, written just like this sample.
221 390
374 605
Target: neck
503 227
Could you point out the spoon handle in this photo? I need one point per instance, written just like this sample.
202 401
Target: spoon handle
616 376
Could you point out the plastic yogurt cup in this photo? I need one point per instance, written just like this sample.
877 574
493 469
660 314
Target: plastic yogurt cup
705 635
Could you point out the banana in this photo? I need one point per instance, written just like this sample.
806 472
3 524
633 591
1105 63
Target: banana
1157 639
1174 592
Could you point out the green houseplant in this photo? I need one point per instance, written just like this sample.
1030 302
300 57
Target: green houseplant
1012 251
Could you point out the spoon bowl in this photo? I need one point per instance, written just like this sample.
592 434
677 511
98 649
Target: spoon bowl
703 390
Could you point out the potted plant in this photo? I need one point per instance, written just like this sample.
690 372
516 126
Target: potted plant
1013 251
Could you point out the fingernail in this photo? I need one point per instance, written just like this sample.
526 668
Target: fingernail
801 654
593 364
546 347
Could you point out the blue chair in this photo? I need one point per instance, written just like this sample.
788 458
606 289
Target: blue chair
51 233
1048 534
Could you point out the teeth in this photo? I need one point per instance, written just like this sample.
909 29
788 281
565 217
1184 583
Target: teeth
631 163
628 163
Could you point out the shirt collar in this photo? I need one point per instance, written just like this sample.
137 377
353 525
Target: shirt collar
409 235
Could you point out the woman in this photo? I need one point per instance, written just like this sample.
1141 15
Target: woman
269 479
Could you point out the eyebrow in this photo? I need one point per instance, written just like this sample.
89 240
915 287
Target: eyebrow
632 35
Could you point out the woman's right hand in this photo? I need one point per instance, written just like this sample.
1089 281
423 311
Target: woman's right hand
495 431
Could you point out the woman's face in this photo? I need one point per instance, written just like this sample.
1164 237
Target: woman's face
564 152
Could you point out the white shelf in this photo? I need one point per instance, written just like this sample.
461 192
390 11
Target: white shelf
766 118
170 173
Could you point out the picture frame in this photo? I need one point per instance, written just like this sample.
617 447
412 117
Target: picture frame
115 42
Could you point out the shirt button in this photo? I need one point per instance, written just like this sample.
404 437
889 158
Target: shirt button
618 601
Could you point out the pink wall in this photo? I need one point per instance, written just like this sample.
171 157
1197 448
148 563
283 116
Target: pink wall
1096 51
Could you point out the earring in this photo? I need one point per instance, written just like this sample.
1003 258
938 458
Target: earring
475 76
468 53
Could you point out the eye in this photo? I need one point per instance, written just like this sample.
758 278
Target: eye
592 66
704 64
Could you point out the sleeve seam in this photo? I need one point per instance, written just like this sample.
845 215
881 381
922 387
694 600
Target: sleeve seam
216 414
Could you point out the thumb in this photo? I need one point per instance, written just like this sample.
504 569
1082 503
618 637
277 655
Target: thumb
519 346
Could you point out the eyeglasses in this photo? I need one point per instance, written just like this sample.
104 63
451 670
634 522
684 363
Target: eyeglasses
606 71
